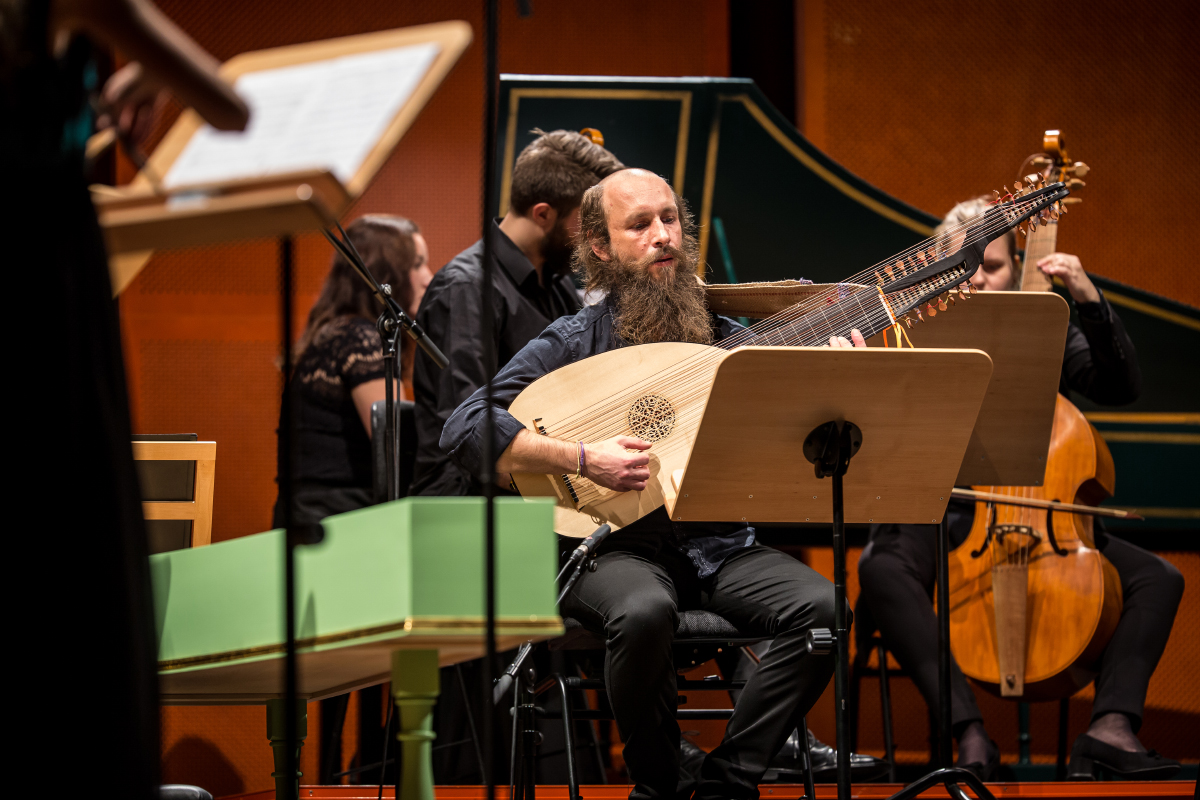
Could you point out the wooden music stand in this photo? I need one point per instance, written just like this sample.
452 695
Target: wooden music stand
905 415
1024 333
144 216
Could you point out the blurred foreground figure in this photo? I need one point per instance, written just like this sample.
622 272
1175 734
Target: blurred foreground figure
92 710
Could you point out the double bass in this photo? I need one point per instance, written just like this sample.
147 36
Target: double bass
1033 603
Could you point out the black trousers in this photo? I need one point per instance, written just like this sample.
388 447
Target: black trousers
897 571
633 598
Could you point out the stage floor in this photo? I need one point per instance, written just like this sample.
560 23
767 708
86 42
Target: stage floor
1135 790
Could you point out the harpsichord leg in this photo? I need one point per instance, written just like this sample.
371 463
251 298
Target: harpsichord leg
285 788
415 689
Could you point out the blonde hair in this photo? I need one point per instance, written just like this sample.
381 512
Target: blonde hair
965 211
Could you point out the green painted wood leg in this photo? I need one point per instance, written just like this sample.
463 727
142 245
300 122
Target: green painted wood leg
415 689
285 788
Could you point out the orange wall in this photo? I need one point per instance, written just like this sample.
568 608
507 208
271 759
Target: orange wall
935 102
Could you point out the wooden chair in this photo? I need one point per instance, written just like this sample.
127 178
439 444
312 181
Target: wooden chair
199 509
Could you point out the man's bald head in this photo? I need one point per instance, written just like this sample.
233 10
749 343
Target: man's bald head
618 204
637 244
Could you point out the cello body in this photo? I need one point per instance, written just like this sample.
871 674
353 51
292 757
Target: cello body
1072 599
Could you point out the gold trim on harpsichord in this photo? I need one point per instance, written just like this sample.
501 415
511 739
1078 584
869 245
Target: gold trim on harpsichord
760 116
532 624
514 101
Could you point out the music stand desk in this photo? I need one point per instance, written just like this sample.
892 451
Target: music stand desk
1024 333
916 409
913 412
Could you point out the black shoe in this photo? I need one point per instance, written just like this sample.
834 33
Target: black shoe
690 759
985 772
1088 753
863 768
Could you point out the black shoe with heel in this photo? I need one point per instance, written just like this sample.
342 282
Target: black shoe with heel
986 772
1088 754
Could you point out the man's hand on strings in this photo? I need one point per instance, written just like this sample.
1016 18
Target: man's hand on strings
856 340
1070 270
620 463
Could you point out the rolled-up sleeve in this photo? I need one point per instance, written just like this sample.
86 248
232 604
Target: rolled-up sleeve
462 437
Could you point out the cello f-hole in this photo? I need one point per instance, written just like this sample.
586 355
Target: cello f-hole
1059 551
991 525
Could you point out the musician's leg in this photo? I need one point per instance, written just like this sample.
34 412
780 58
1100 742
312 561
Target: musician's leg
1152 589
762 590
896 574
632 600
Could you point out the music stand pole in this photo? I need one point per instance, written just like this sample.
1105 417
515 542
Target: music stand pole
829 447
945 724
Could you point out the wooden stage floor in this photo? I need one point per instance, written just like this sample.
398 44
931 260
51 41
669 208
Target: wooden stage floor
1134 790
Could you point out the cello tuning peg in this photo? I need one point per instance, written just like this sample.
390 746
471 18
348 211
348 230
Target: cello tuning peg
1039 162
1075 183
1079 169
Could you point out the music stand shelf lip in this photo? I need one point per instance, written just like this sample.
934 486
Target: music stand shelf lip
746 463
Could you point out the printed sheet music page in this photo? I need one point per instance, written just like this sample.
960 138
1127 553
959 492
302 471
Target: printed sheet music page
322 115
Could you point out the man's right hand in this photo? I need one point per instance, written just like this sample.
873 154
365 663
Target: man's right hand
620 463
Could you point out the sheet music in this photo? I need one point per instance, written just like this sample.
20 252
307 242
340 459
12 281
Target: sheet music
323 115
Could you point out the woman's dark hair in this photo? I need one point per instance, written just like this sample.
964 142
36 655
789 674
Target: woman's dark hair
386 245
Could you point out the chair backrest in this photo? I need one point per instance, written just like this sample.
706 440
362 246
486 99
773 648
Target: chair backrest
177 474
408 447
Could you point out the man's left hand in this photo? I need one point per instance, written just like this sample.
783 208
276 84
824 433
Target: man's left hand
1068 268
855 337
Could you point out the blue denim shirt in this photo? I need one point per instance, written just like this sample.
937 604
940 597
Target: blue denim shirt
565 341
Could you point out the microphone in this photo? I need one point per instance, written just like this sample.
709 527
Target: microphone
581 552
506 681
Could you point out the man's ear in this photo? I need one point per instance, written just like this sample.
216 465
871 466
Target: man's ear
600 249
543 215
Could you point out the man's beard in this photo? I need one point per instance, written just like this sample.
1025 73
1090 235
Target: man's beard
557 250
670 308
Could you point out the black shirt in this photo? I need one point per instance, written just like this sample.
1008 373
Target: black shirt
450 314
332 447
566 341
1100 361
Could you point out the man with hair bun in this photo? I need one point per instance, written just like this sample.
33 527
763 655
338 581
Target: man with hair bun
532 287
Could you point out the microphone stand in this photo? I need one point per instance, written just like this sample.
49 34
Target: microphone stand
391 322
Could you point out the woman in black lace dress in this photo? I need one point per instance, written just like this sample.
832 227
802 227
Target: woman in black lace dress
339 370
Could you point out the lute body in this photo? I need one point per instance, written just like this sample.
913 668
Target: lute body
654 391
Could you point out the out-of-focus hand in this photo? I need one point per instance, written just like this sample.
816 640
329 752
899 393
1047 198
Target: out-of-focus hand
620 463
1068 268
856 340
129 101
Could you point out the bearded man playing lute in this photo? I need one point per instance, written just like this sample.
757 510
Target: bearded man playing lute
637 245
